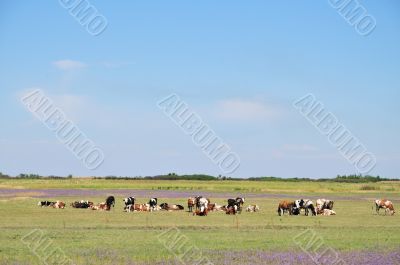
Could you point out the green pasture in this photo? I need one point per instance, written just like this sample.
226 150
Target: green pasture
117 237
384 187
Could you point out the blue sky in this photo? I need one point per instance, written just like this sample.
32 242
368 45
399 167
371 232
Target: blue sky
239 65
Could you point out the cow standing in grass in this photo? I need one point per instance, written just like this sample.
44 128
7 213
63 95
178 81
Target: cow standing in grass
289 207
307 205
153 204
128 202
191 203
384 204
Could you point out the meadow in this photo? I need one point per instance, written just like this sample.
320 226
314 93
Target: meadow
356 233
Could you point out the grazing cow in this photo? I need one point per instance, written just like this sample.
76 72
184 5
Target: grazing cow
290 207
323 204
327 212
171 207
384 204
59 205
45 203
236 202
253 208
110 201
153 204
232 209
191 203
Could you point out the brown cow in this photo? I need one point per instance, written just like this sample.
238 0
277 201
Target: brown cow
191 203
384 204
286 206
199 213
211 207
101 206
138 207
59 205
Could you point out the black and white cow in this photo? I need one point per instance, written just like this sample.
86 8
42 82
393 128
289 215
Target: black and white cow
153 204
45 203
238 202
307 205
197 201
129 201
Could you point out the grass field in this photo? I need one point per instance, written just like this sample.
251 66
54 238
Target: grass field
92 237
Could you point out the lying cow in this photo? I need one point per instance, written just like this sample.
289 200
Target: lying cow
105 206
199 213
82 204
253 208
171 207
219 207
101 206
59 205
384 204
138 207
238 202
327 212
323 204
232 209
211 207
45 203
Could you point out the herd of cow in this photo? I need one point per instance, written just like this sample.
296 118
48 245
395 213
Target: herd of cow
202 206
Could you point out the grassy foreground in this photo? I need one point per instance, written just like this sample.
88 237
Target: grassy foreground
116 237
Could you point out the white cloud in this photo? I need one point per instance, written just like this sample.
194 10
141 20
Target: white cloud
69 65
246 110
